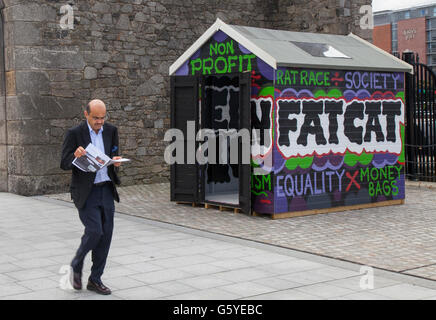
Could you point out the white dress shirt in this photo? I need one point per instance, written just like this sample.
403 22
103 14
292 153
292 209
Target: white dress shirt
97 140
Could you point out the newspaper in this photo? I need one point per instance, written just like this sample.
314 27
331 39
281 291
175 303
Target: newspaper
94 160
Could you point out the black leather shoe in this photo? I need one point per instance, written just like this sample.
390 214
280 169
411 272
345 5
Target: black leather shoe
77 280
100 288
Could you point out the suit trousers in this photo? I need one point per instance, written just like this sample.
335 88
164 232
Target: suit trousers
98 218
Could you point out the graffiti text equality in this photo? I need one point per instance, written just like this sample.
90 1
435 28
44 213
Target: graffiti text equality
314 183
222 59
322 126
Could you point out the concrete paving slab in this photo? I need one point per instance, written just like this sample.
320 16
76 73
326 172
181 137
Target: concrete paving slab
325 290
11 289
173 288
405 292
140 293
363 296
205 282
166 275
247 288
290 294
201 269
207 294
277 283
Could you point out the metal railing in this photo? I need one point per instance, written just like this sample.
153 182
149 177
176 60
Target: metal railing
420 121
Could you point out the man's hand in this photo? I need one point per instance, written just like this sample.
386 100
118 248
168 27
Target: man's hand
80 152
117 164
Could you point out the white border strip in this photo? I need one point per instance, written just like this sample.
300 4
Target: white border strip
220 25
405 64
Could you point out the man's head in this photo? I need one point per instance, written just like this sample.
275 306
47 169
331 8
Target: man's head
95 113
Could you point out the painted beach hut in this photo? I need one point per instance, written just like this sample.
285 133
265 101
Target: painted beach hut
325 115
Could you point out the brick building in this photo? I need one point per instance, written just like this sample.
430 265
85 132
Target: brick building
57 55
411 29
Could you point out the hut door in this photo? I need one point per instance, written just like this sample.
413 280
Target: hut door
245 123
184 109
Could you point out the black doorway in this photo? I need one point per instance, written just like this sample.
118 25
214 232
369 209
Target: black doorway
220 113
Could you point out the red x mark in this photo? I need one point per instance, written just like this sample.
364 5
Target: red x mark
352 180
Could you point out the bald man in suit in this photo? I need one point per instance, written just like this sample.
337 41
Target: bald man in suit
93 193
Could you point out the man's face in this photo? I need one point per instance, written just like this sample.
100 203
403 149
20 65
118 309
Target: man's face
96 116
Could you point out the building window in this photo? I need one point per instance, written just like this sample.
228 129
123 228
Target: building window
423 12
407 15
434 11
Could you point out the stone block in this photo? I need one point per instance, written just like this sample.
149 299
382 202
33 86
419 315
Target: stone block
2 108
3 181
3 158
10 83
28 107
26 33
148 88
2 132
8 32
141 17
9 59
96 56
106 71
123 22
30 12
107 18
141 151
127 8
32 83
44 58
58 75
9 3
100 7
28 132
38 185
36 160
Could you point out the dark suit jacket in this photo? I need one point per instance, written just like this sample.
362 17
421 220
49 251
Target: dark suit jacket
81 182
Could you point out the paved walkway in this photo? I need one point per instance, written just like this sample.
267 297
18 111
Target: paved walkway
155 260
397 238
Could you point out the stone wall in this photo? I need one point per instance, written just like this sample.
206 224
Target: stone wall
119 51
328 16
3 132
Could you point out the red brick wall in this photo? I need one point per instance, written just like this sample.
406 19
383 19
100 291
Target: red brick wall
382 36
412 36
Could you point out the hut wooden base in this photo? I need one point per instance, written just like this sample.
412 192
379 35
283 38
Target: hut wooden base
284 215
212 206
221 207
